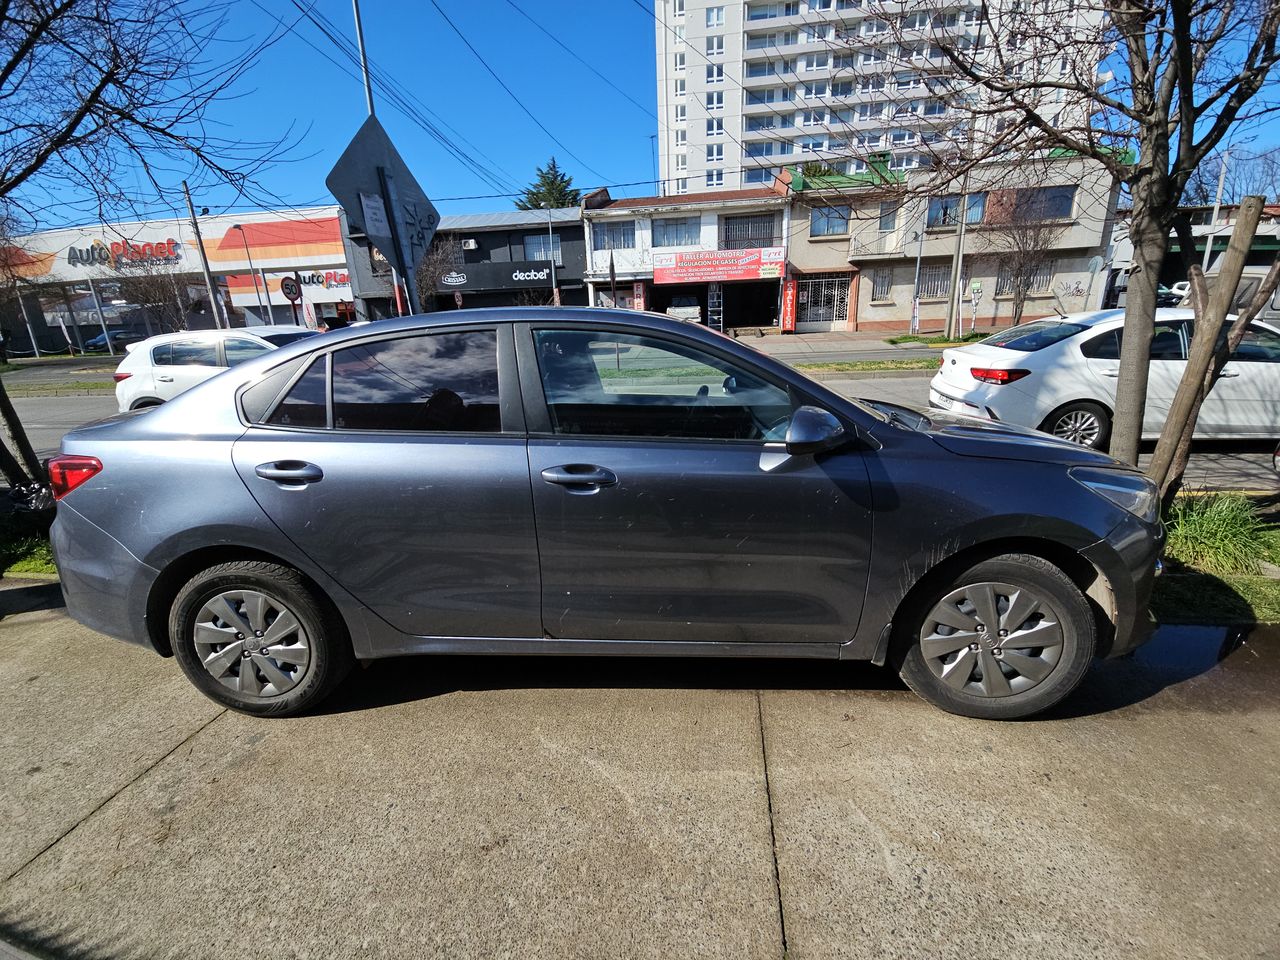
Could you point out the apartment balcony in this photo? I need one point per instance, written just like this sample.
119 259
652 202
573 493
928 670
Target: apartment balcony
872 245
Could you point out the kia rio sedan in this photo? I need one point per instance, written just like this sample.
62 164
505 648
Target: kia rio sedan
580 481
1060 376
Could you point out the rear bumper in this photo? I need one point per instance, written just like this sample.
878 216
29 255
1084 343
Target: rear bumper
1128 557
104 585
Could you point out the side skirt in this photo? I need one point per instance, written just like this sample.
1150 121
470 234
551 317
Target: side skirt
494 646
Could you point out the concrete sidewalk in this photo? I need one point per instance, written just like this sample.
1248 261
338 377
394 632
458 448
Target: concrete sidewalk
531 808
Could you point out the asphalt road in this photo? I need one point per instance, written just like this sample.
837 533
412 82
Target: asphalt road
547 808
1217 464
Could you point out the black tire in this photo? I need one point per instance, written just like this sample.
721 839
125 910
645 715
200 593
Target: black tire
1067 422
329 658
1064 665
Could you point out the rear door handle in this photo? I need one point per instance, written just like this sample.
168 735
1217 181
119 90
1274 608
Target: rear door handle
580 477
1229 373
165 379
290 473
1114 374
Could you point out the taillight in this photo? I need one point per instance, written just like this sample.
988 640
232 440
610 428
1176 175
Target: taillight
117 377
68 472
994 375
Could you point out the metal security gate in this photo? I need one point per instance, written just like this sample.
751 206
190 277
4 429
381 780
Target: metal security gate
822 302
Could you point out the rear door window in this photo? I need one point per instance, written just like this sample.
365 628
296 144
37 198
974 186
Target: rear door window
192 353
239 349
442 382
1168 342
1033 336
306 403
1258 345
1106 346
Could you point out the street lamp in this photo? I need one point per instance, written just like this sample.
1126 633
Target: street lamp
551 254
252 276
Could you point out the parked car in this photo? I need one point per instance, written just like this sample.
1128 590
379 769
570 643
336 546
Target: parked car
1181 288
120 339
585 481
1168 297
1060 376
1250 281
159 368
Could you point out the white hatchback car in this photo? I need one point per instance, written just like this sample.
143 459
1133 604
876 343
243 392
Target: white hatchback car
1060 376
159 368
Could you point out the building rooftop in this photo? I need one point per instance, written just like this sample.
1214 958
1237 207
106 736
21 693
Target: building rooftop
509 218
606 202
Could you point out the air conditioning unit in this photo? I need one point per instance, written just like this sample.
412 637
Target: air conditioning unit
470 244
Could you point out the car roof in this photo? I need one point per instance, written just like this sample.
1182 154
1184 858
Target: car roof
222 333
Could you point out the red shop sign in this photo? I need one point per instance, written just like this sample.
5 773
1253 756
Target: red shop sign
715 266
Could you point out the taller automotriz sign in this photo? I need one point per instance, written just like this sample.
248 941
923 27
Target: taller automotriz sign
716 266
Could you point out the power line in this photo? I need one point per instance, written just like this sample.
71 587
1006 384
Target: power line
511 93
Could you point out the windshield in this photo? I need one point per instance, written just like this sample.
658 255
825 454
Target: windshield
1034 336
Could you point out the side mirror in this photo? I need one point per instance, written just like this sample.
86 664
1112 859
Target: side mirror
813 430
730 386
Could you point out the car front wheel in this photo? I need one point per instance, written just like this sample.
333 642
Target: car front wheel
1008 638
255 637
1085 423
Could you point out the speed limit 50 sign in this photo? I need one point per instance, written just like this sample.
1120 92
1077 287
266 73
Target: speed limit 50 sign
291 289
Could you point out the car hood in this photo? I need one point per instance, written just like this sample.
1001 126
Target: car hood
975 437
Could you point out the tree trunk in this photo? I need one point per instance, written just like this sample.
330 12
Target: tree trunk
1150 236
18 435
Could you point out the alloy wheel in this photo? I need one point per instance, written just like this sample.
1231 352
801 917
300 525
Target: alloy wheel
1078 426
251 643
991 639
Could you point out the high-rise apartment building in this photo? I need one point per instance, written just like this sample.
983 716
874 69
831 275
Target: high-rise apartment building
747 88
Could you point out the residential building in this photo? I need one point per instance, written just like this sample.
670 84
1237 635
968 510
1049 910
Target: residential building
509 258
746 89
866 250
723 253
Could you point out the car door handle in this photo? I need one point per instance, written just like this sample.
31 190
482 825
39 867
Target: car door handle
580 477
1112 373
290 473
1229 373
165 379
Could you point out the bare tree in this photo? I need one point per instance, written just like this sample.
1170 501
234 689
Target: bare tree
101 96
1248 173
164 299
443 255
1024 233
1145 88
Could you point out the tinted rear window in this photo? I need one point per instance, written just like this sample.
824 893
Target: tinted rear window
1034 336
306 403
290 336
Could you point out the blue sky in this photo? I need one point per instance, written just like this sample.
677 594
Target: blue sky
610 136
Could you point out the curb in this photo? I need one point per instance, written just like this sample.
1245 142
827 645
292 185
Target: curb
866 374
20 393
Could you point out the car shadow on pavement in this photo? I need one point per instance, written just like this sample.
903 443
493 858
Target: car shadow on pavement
403 679
1175 655
29 596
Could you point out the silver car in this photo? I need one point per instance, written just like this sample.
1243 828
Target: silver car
591 482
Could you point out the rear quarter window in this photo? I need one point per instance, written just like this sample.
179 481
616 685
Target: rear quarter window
1037 335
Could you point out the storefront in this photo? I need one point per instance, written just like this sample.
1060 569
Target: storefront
520 283
146 277
733 288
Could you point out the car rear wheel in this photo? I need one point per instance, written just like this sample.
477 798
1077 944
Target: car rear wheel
255 637
1008 638
1087 424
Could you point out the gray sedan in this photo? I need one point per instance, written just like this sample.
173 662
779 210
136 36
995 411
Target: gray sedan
594 482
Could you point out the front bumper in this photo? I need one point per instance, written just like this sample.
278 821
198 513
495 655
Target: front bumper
104 585
1128 557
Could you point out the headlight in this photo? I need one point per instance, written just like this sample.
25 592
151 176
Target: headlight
1129 491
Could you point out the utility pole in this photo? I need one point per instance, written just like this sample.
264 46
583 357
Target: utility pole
364 60
253 276
956 301
204 262
1217 205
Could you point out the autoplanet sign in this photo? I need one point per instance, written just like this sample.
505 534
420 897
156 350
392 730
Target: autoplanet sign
495 276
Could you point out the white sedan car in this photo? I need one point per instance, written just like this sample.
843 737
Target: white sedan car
1060 376
159 368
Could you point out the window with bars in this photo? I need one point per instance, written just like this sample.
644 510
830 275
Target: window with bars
676 231
748 232
881 284
935 282
539 246
1039 279
620 235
